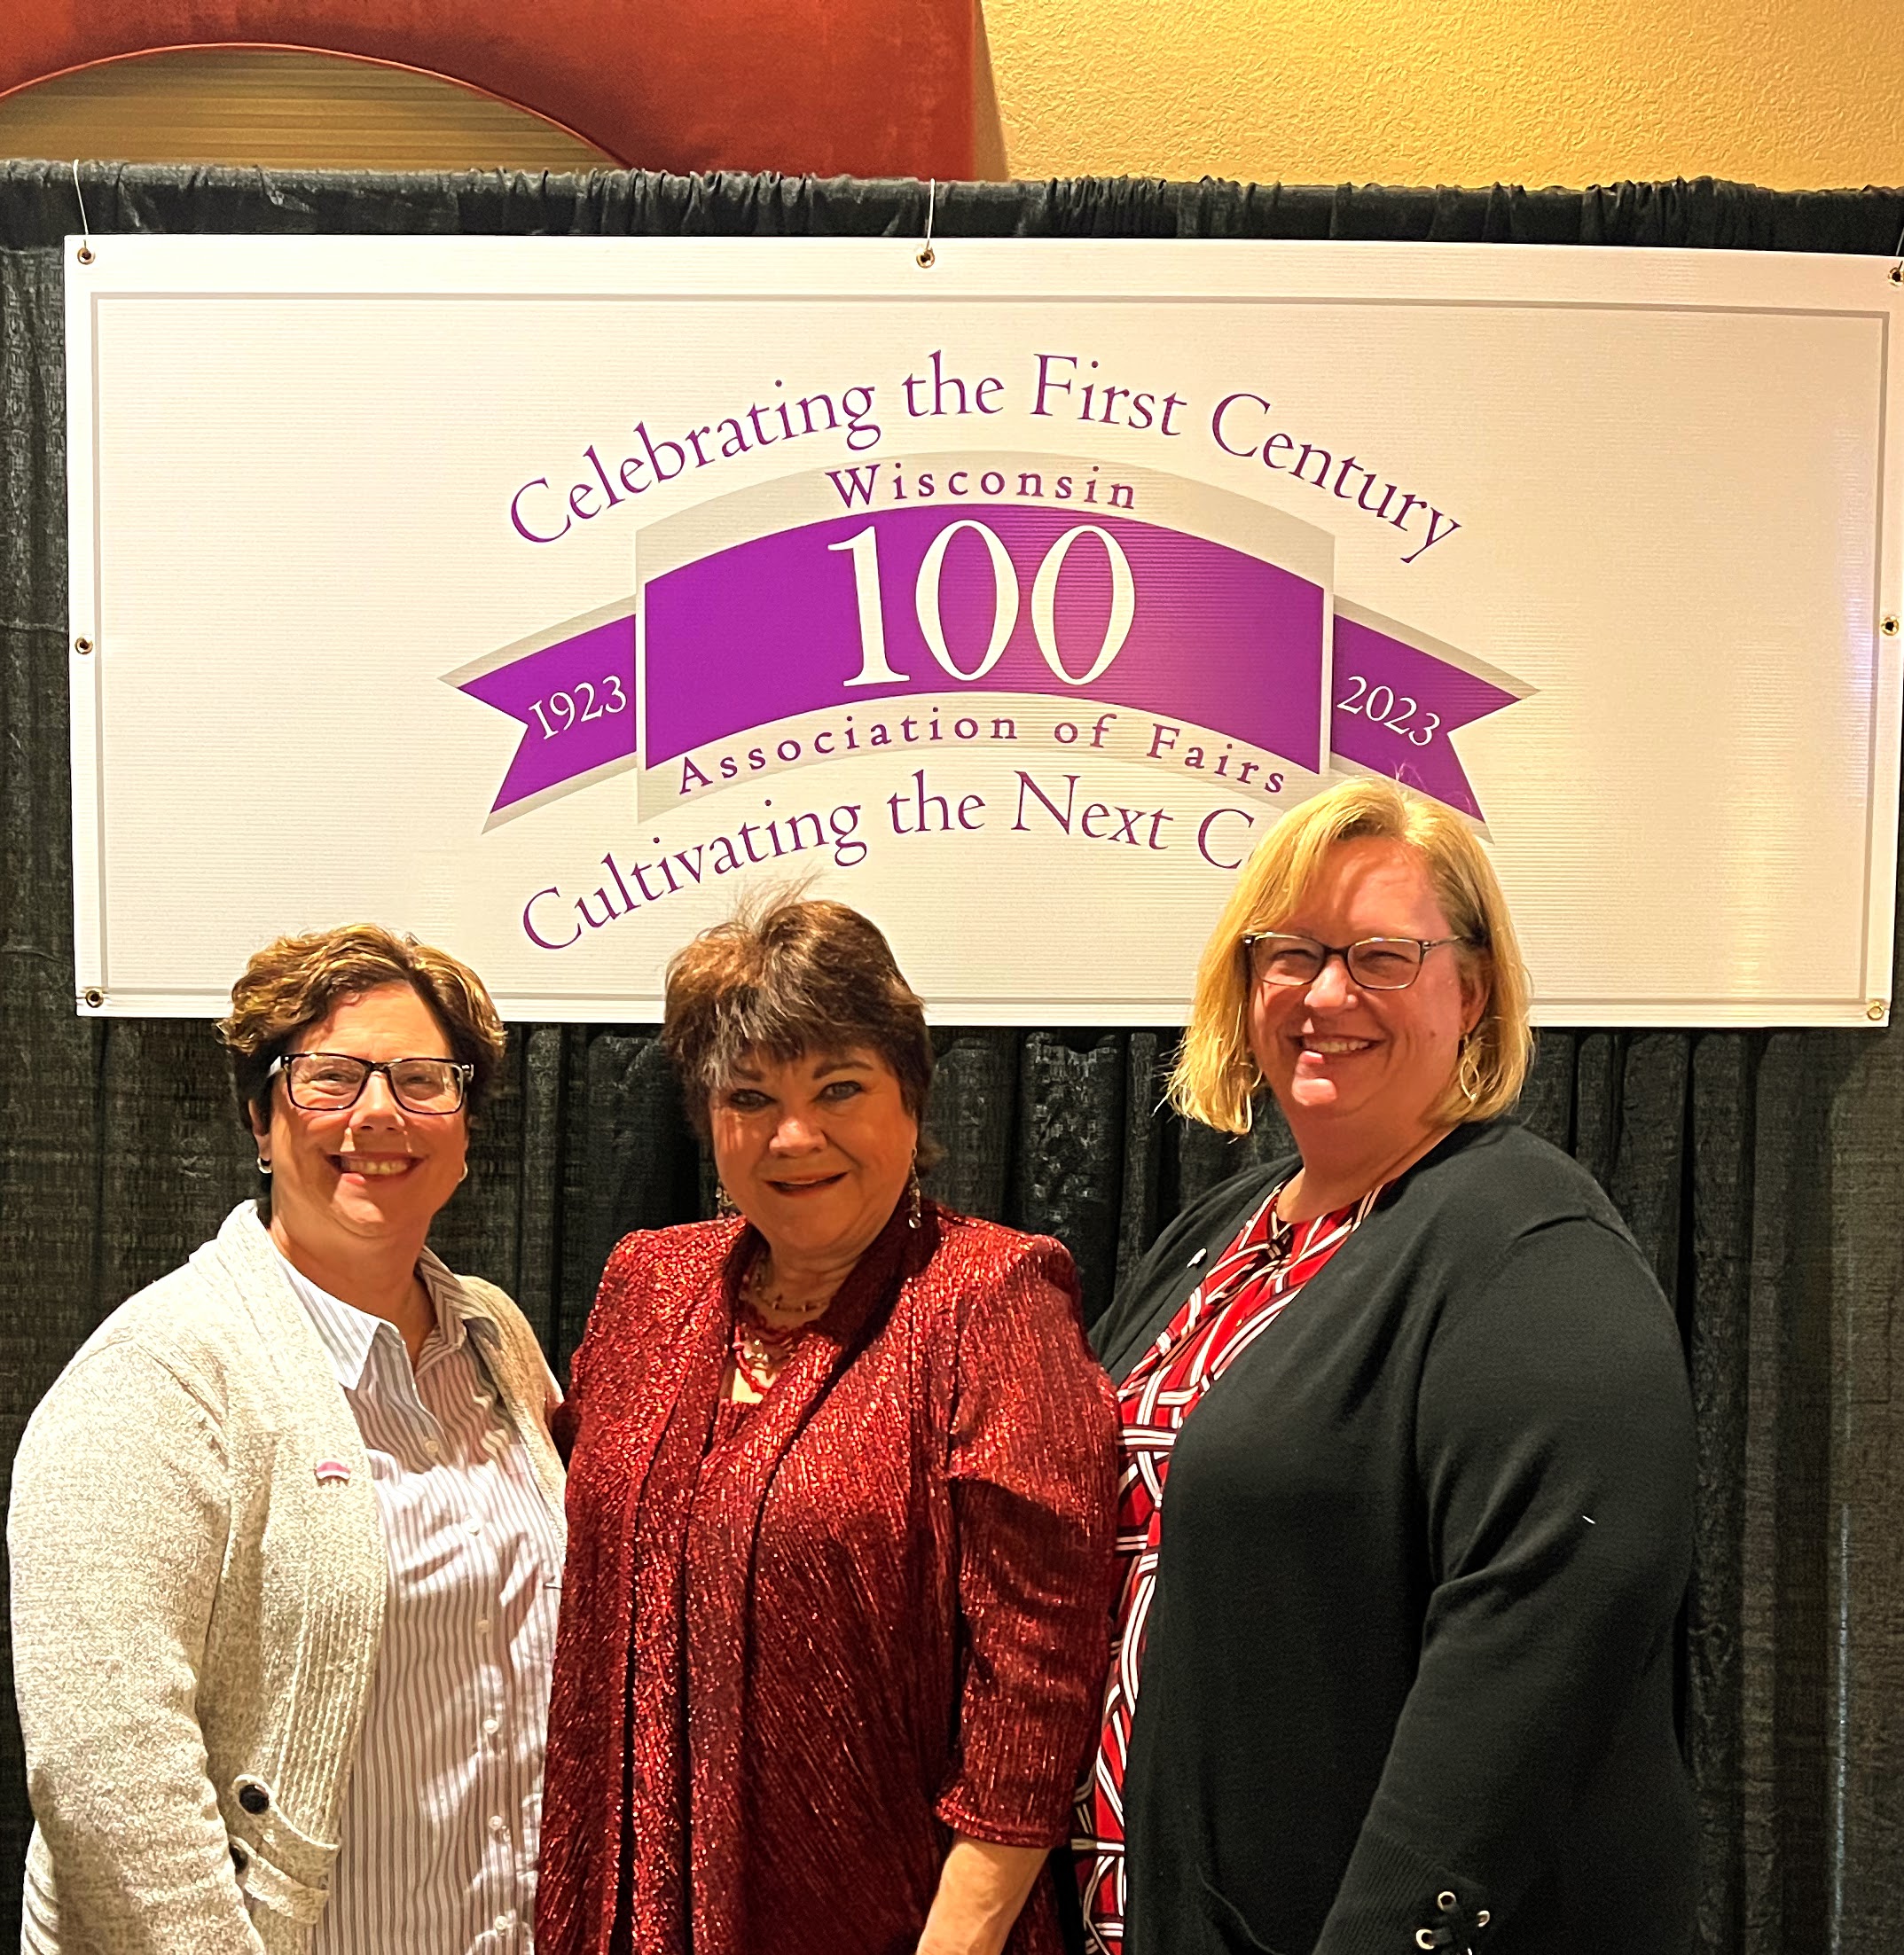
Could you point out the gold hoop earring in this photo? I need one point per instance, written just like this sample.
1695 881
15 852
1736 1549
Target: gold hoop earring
264 1164
1467 1072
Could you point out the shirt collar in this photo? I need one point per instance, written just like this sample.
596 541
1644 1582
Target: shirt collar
350 1335
457 1313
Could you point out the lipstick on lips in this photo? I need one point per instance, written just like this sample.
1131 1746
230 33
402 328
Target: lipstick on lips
808 1186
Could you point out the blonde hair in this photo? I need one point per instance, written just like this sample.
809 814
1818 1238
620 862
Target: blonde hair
1215 1074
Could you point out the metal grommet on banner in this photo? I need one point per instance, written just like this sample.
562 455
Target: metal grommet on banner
1888 624
1874 1011
94 998
927 256
84 253
82 647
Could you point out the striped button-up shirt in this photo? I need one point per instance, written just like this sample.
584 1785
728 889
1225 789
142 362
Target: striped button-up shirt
443 1816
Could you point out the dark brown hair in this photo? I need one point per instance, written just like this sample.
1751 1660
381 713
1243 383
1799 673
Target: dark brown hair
298 981
783 977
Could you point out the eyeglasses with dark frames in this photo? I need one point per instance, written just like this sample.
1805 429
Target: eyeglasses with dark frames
1376 964
328 1083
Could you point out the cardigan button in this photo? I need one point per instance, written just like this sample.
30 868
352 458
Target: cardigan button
253 1797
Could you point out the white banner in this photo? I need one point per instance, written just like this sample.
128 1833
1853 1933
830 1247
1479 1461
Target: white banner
540 595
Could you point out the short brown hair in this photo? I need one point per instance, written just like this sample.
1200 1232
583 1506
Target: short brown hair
783 977
1216 1076
297 982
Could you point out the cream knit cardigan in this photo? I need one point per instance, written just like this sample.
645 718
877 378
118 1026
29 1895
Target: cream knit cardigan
197 1610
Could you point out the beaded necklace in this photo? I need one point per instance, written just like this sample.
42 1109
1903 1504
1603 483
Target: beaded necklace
761 1347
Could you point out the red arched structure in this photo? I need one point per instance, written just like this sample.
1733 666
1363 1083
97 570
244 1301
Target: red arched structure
870 88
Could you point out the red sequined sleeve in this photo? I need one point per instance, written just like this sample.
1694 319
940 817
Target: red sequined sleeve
1032 1463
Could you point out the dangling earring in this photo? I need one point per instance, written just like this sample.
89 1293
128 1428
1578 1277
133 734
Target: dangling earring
1246 1060
1248 1072
264 1164
724 1205
1467 1072
916 1199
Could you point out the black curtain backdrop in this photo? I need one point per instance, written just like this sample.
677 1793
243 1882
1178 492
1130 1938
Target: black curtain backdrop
1761 1171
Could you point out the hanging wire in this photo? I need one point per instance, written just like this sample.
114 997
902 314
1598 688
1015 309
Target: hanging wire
926 255
85 229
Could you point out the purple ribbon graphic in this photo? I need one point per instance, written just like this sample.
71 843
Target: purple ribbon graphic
576 702
895 604
1395 707
774 626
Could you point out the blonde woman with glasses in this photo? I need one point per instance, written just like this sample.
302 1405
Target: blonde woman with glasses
1408 1463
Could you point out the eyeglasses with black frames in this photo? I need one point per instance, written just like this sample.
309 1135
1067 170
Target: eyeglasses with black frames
328 1083
1376 964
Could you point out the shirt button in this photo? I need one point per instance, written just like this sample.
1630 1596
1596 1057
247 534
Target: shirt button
504 1923
497 1827
434 1448
482 1626
474 1524
492 1725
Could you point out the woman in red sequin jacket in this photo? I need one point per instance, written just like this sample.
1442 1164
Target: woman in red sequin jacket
834 1620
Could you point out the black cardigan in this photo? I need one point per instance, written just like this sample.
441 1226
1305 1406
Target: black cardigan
1424 1548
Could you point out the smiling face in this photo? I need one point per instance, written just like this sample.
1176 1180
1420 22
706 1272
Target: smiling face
1343 1060
371 1175
815 1153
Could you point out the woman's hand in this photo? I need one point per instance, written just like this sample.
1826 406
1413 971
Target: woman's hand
982 1888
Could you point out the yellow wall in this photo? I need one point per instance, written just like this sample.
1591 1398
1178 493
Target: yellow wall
1795 94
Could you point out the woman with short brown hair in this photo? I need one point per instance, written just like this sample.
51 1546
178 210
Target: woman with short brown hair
783 983
292 983
286 1532
834 1614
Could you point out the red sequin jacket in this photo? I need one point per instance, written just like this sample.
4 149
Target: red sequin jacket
791 1666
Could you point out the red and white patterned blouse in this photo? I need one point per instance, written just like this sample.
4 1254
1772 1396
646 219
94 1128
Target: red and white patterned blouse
1244 1291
